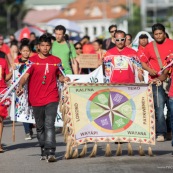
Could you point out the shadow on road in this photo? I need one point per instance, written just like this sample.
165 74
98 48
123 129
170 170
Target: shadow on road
22 146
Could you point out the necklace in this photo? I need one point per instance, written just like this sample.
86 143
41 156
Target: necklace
45 73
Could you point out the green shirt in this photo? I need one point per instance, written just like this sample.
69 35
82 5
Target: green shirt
63 52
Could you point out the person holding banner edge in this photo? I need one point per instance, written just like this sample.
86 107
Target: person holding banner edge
152 61
160 79
43 95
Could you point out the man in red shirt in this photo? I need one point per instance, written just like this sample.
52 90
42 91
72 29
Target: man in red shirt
153 62
122 71
43 95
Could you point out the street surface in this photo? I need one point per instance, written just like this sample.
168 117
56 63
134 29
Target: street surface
23 157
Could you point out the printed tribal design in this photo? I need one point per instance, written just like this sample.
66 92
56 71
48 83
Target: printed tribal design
111 110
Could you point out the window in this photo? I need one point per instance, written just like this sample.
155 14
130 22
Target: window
103 29
94 30
86 30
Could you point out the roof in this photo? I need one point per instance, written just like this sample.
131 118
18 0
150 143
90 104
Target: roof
94 9
47 2
34 16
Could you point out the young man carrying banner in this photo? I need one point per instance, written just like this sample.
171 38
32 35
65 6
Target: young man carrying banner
43 95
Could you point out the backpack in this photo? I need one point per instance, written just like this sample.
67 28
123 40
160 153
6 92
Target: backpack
70 52
108 42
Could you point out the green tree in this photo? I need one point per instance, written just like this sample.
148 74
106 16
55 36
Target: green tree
11 15
134 21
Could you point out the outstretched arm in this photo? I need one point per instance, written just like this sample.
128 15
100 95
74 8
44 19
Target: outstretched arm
151 71
161 78
8 76
22 82
63 79
164 75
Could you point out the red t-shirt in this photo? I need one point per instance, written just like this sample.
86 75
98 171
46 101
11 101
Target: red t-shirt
5 49
170 94
3 71
150 57
126 75
39 94
140 52
88 49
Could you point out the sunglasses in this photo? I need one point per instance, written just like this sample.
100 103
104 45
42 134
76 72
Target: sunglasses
113 31
78 48
119 39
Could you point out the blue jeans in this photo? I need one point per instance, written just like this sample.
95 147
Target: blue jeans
171 117
27 127
159 96
45 124
168 117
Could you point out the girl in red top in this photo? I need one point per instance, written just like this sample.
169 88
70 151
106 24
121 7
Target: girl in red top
4 77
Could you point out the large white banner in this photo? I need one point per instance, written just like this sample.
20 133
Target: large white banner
22 112
94 77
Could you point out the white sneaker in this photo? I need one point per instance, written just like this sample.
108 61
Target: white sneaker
28 137
160 138
51 158
43 157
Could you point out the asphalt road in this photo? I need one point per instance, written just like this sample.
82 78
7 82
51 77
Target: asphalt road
23 157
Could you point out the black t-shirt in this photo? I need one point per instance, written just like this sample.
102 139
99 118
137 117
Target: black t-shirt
110 44
23 64
2 54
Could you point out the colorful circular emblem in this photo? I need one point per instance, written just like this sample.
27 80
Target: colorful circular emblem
111 110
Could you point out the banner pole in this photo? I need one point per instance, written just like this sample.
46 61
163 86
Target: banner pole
13 125
13 131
